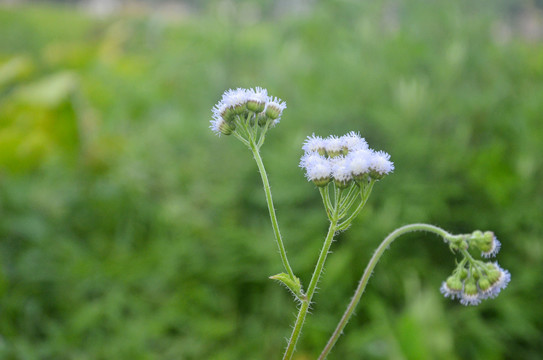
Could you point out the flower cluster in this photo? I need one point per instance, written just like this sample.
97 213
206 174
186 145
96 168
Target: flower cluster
481 281
246 107
486 242
343 159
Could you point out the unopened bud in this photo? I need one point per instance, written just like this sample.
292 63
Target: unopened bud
484 284
342 184
454 283
273 110
256 106
240 108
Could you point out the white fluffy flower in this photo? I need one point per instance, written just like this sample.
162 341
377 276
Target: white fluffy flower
341 171
216 125
317 167
219 109
353 141
314 144
380 163
333 145
256 99
360 161
257 94
274 109
234 97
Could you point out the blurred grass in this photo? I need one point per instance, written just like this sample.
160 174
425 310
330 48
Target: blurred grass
129 231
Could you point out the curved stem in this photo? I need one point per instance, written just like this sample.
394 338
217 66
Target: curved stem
311 289
271 209
367 273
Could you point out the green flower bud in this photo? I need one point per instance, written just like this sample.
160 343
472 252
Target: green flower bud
470 288
454 283
227 128
493 275
273 111
470 295
342 184
484 284
240 108
256 106
361 178
321 182
228 114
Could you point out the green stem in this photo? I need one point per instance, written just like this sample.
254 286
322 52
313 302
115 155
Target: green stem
312 286
348 196
365 195
346 205
367 273
263 134
271 210
326 202
241 138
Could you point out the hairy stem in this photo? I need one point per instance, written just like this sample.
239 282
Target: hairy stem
271 209
312 285
367 273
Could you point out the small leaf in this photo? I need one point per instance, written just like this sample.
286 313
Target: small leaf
294 285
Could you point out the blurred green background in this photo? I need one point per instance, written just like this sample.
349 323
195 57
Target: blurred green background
129 231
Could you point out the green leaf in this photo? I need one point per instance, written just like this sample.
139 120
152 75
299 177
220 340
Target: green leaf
294 285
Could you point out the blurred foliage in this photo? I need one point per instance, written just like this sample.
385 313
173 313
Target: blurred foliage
129 231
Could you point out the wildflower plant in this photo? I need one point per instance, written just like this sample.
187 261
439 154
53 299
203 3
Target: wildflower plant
345 169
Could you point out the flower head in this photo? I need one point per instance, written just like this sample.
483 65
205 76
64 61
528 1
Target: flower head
220 126
274 108
482 281
333 146
452 288
353 141
380 164
359 162
470 295
350 158
245 108
317 168
314 144
498 279
257 99
235 97
341 171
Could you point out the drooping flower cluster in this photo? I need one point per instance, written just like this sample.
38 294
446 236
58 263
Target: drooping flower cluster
343 159
474 280
483 281
246 107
